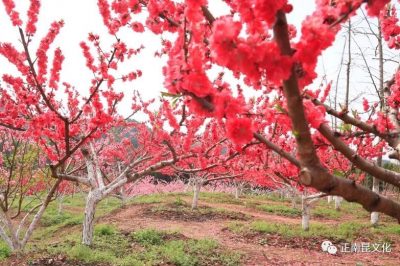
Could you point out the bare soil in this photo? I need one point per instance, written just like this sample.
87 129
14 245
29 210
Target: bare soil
258 249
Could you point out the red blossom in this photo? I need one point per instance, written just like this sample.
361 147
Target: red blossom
14 15
375 7
88 56
32 17
239 130
44 46
55 71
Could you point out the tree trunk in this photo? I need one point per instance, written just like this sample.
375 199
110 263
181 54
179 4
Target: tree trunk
60 204
196 192
8 234
330 199
338 201
88 222
293 199
238 190
123 196
375 188
305 215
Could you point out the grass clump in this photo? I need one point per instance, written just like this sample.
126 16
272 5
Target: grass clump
104 230
148 237
5 251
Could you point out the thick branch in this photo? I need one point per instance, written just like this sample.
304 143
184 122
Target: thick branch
313 173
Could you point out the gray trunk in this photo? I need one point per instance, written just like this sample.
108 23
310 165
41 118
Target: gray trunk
294 205
305 215
238 191
123 195
88 222
196 192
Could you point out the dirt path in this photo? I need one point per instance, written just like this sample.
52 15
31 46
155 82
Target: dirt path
133 218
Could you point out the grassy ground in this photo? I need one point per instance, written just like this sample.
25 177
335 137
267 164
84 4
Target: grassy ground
163 230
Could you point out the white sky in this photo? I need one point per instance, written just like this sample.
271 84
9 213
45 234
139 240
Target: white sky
82 17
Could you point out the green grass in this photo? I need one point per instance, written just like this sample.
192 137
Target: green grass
148 199
144 247
72 214
217 197
148 237
104 230
60 233
5 251
347 231
280 210
323 212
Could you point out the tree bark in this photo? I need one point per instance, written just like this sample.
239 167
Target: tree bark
196 192
88 223
313 173
305 214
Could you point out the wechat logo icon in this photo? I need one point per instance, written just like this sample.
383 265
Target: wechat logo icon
327 246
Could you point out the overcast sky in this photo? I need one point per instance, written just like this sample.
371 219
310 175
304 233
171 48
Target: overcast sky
82 17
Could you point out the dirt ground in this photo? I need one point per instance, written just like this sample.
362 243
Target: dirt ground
257 249
278 251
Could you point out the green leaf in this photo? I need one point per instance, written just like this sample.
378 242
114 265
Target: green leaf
167 94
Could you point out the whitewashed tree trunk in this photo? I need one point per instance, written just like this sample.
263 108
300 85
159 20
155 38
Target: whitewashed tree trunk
196 191
338 201
123 196
305 214
293 199
238 189
60 204
330 199
375 188
88 223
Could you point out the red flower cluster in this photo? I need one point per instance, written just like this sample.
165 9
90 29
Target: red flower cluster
170 116
315 114
14 57
88 56
44 46
14 15
55 71
239 130
252 57
390 28
375 7
32 17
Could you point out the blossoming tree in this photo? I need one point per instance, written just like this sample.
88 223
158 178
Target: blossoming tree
258 45
44 109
